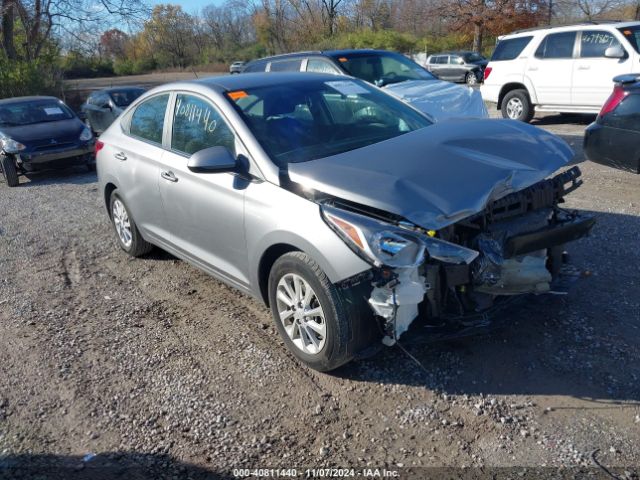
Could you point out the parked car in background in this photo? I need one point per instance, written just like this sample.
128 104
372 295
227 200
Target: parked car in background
397 74
236 67
614 138
564 69
103 106
40 133
349 213
465 67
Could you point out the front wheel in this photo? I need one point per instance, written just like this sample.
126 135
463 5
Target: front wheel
9 170
516 105
309 312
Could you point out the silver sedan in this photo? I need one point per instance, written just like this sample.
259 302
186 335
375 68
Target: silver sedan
345 210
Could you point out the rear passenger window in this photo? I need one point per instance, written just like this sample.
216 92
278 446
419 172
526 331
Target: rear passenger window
595 42
147 121
286 65
557 45
442 60
510 48
198 125
320 66
255 67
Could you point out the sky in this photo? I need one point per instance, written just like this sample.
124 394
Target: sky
189 6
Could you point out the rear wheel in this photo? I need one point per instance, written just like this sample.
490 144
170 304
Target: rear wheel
309 312
9 170
471 78
129 237
516 105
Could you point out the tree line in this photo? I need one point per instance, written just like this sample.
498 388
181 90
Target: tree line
67 37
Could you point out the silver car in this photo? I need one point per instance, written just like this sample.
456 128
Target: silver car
345 210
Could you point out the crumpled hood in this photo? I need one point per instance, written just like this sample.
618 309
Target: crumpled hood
440 99
61 130
440 174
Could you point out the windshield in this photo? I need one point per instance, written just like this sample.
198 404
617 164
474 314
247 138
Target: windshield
632 34
473 57
303 121
34 111
382 68
124 98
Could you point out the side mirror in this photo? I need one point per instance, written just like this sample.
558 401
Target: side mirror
212 160
615 51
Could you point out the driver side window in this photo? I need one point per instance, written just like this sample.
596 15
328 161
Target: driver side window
198 125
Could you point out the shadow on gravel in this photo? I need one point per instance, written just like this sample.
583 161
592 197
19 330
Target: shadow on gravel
569 118
104 466
583 345
75 176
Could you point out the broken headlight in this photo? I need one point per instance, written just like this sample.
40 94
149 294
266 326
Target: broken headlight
382 243
9 145
377 242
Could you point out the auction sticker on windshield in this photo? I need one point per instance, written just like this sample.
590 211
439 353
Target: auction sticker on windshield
347 87
53 111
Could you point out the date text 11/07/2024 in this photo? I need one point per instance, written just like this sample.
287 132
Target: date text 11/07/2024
315 473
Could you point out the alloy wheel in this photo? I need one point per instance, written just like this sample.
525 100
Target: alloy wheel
514 108
122 223
301 314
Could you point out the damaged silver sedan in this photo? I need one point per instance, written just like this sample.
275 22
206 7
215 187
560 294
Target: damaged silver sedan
357 220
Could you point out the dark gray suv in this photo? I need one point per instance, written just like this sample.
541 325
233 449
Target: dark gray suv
465 67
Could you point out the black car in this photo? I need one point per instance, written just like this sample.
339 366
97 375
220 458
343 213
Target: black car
40 133
104 106
614 138
465 67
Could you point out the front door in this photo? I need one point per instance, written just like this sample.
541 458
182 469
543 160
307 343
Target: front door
593 72
205 211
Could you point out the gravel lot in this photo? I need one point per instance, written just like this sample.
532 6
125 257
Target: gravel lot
163 372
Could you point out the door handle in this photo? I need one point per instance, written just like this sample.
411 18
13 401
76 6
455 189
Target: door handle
169 176
533 69
120 156
584 67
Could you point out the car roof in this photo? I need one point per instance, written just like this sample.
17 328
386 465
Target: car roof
32 98
119 89
326 53
225 83
570 27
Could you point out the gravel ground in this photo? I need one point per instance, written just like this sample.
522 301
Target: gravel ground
163 372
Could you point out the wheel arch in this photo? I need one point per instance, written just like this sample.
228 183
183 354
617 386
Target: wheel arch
509 87
269 257
108 190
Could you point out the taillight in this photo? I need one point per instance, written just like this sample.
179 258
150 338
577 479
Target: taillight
614 100
487 72
98 146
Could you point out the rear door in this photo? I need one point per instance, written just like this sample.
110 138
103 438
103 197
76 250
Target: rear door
593 72
550 70
138 156
456 69
205 211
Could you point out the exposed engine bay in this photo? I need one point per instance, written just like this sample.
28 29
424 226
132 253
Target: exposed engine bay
513 247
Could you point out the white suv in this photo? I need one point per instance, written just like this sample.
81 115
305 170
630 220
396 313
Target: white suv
565 69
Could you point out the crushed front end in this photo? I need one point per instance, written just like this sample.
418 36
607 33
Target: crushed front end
456 277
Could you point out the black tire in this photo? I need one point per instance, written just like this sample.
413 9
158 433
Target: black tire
471 78
521 97
9 170
138 245
343 335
